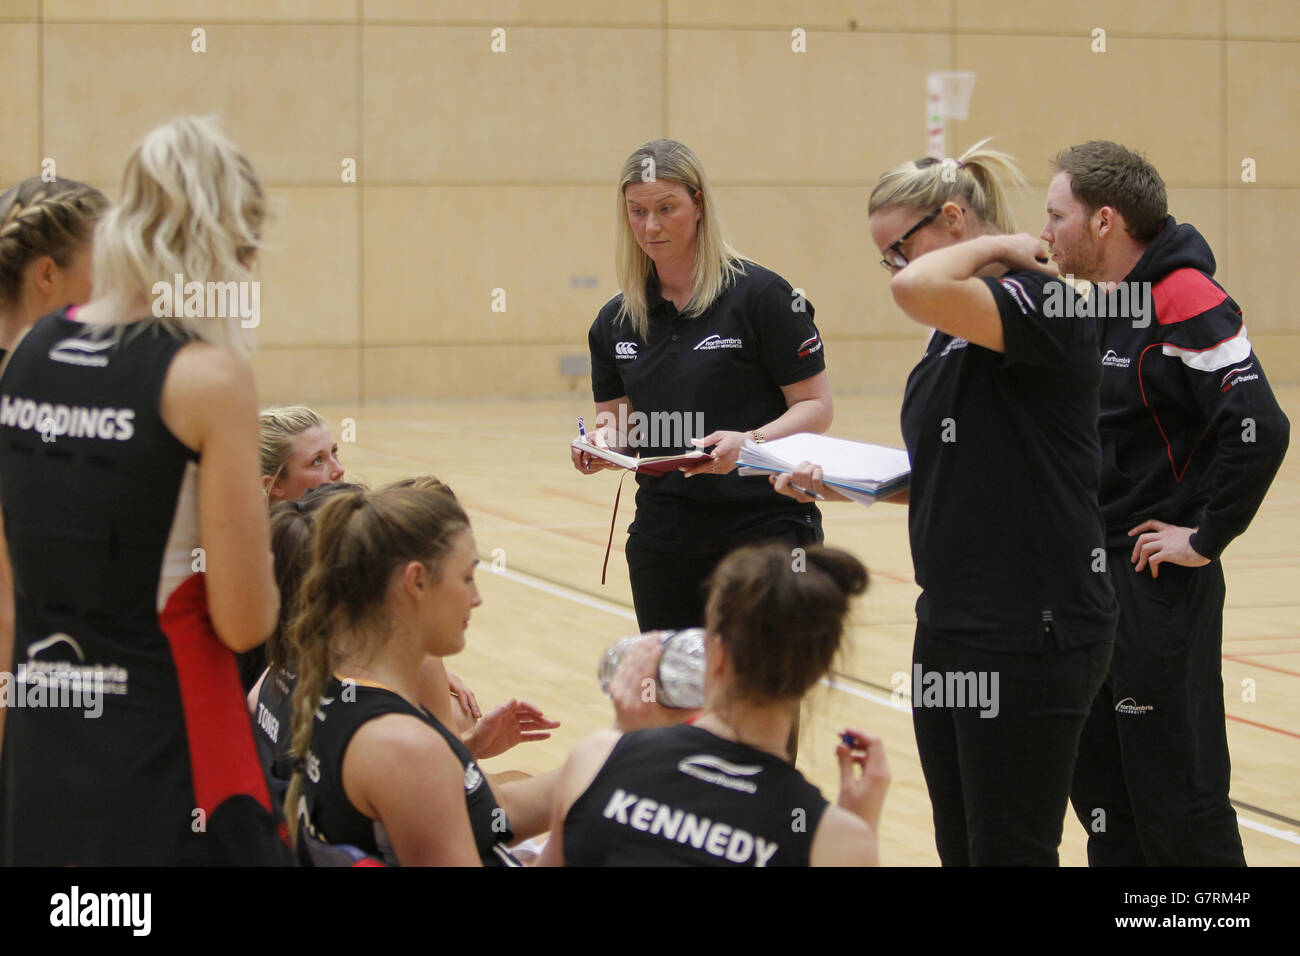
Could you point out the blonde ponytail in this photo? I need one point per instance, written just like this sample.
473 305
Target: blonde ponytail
191 206
976 176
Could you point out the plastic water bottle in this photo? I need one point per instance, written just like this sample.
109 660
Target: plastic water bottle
680 680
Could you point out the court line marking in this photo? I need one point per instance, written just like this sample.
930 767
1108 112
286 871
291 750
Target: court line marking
867 695
1253 723
560 592
1268 667
1266 813
527 580
1289 835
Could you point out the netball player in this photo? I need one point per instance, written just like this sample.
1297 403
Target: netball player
126 469
698 333
391 582
45 250
292 526
720 791
1000 421
45 264
297 452
1192 436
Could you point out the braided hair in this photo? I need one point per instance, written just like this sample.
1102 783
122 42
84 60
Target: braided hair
39 218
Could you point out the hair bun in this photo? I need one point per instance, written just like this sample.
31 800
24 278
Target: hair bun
848 573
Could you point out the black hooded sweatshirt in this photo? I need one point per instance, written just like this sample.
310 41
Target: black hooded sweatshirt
1191 433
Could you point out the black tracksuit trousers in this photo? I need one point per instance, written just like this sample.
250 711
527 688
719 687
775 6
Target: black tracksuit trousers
1151 782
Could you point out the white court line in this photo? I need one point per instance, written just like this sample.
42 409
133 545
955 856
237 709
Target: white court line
867 695
1290 836
482 527
565 593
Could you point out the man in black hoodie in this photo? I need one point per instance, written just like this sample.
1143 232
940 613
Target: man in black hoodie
1191 438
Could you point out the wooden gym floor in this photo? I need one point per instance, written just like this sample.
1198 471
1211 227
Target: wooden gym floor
546 618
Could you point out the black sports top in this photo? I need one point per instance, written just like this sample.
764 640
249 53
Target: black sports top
724 370
101 521
272 723
344 708
1007 537
682 796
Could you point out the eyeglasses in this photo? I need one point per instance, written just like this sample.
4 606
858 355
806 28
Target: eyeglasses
894 258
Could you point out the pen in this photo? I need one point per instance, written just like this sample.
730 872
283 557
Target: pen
808 492
582 433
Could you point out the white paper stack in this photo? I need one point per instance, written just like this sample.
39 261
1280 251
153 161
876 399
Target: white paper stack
858 470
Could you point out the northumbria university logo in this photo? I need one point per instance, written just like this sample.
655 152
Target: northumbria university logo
1018 294
75 351
1130 706
721 772
716 341
624 350
1115 360
1238 375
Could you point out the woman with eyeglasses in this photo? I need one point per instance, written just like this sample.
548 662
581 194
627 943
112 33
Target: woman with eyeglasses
1016 618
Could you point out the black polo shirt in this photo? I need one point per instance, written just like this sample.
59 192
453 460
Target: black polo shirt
1007 536
722 370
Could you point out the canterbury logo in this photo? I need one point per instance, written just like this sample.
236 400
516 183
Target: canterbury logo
809 346
625 350
81 352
